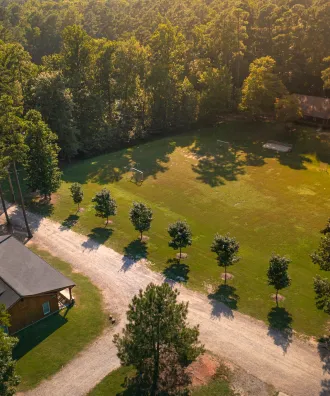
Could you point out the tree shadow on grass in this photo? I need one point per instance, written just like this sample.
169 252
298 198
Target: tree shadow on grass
43 207
133 252
224 301
176 271
37 333
324 353
97 237
69 222
280 327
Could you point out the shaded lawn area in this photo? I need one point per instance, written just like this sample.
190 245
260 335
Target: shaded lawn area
45 347
114 384
270 202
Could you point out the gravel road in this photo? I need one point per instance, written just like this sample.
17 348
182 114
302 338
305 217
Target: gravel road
292 366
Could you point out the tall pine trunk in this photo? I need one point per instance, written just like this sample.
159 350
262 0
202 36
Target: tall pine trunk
22 201
4 206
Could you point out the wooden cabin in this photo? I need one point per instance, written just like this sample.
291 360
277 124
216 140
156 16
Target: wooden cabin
316 110
30 288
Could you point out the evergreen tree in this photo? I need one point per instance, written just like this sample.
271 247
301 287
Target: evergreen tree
105 205
226 249
288 110
77 193
141 217
181 235
158 342
322 291
43 173
8 377
278 273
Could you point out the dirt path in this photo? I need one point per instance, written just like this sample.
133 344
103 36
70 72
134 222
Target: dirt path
291 366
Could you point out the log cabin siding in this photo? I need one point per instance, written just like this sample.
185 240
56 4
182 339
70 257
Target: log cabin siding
29 310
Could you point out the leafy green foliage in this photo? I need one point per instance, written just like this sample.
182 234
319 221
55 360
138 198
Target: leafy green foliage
278 273
8 377
181 235
322 256
77 193
288 109
141 217
262 87
105 205
157 340
322 291
41 165
226 249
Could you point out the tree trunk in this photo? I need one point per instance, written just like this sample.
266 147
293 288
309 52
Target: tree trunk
4 206
156 366
276 298
22 202
11 188
141 235
225 274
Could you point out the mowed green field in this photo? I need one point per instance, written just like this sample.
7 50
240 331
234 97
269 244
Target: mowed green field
270 202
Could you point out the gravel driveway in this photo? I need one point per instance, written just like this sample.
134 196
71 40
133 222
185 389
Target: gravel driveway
290 365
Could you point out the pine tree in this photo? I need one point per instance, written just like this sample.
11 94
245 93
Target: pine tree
43 173
158 342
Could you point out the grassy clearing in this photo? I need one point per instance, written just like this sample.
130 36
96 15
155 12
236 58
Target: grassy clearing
270 202
114 385
45 347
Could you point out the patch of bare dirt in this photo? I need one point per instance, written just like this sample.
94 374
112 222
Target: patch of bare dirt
183 256
145 238
279 297
227 276
203 369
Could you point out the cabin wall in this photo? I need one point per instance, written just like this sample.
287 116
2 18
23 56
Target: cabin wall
29 310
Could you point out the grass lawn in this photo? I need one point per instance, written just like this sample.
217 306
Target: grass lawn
270 202
114 385
45 347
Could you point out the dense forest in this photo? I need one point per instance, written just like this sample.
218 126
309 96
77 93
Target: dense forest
104 73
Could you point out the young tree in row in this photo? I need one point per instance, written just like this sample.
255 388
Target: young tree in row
8 377
322 255
41 166
141 217
322 290
77 194
288 110
226 249
105 205
158 342
181 236
278 273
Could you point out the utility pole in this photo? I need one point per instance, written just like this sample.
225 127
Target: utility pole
4 205
22 201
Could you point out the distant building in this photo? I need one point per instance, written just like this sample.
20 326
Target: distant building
30 288
315 109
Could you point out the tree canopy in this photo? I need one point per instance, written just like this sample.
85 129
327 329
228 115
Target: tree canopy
158 341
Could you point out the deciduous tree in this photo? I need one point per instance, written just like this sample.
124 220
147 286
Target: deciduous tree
278 273
8 377
158 342
77 193
141 217
226 249
105 205
181 235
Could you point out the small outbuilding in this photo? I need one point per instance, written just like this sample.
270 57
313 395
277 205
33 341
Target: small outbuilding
30 288
316 110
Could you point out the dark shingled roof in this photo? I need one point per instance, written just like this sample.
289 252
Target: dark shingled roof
314 106
23 273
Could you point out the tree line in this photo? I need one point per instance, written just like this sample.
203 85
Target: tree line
104 73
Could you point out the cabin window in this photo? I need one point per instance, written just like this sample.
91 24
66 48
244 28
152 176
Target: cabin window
46 308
